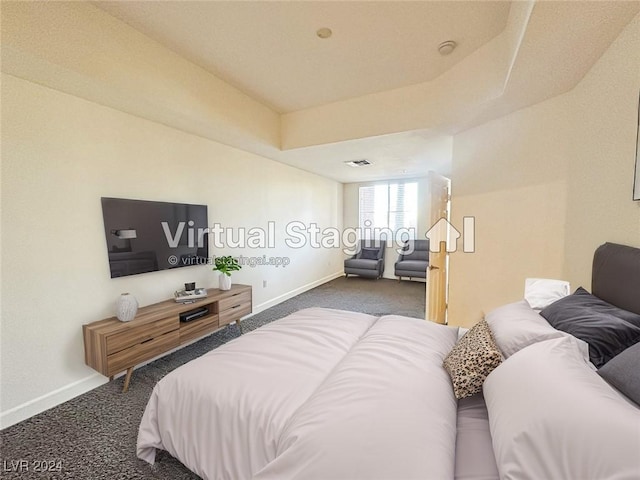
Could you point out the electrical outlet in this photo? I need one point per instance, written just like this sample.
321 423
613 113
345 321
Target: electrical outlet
264 284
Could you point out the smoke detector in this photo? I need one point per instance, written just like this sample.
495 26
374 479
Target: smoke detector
358 163
445 48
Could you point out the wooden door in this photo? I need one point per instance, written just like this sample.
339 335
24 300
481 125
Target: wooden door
440 244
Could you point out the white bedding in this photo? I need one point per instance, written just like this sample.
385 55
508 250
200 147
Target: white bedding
551 416
319 394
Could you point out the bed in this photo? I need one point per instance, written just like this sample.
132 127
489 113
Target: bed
329 394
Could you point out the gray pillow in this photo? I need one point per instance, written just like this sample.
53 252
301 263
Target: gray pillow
607 329
623 372
369 254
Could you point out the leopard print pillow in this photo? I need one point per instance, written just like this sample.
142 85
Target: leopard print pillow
472 359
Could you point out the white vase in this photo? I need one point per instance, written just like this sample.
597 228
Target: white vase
224 282
126 307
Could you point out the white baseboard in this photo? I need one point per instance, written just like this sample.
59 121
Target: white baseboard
72 390
293 293
50 400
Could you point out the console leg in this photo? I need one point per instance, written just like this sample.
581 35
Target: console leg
239 326
127 379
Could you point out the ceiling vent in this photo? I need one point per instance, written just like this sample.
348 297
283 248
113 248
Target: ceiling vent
358 163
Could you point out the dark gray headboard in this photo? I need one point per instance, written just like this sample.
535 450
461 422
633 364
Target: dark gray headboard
616 276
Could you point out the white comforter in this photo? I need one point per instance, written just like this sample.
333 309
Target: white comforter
320 394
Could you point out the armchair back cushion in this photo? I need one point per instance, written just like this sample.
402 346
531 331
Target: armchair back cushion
369 253
413 260
420 251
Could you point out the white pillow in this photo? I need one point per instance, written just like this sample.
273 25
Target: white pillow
541 292
551 416
461 332
516 326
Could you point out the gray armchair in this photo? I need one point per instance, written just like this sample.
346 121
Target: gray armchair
369 261
414 260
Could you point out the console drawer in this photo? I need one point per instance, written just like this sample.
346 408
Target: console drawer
127 337
234 301
234 313
142 352
198 328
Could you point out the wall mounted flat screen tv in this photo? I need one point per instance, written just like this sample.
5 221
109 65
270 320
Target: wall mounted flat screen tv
144 236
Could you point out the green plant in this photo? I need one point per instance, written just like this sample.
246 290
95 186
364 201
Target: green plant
226 265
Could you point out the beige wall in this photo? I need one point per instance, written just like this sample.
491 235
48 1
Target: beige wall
600 206
77 48
547 185
60 154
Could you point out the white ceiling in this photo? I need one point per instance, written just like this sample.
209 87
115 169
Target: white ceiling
393 156
270 50
382 64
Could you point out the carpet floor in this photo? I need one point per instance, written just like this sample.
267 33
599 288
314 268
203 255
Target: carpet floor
93 436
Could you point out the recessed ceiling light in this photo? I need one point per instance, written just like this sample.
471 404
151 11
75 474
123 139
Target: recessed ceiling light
445 48
324 32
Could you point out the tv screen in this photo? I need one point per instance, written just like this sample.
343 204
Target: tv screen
144 236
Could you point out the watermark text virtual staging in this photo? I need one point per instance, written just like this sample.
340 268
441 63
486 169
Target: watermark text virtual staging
298 234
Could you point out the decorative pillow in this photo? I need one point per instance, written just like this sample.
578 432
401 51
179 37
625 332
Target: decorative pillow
607 329
552 417
369 254
541 292
623 372
472 359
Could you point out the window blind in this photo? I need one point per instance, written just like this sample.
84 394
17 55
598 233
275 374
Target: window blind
392 205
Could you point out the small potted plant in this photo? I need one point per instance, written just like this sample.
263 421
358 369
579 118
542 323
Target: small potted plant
225 265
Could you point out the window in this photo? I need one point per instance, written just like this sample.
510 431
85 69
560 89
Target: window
389 206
